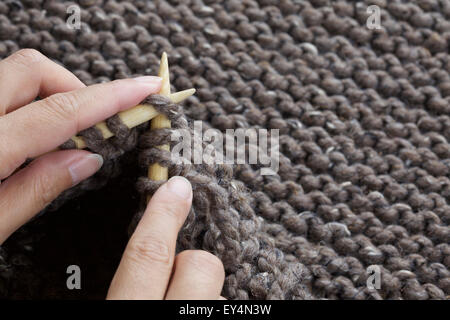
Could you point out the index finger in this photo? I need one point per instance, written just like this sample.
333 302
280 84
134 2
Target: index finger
44 125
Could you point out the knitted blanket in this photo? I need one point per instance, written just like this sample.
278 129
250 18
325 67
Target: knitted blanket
363 111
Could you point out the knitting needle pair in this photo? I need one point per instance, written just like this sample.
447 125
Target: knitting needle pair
143 113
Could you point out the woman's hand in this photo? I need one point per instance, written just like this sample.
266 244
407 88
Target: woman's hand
31 129
149 268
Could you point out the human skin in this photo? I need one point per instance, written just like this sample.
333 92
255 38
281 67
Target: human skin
149 268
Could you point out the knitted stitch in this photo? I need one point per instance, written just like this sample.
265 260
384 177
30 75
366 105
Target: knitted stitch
364 175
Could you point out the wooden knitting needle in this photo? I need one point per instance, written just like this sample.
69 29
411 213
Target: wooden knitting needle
134 116
157 172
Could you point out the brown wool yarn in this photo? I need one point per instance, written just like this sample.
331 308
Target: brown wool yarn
364 120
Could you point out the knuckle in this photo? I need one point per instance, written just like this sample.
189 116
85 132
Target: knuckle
26 57
63 105
204 262
149 251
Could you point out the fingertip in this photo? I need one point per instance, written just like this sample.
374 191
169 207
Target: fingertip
198 274
151 84
130 92
171 201
149 80
180 187
84 167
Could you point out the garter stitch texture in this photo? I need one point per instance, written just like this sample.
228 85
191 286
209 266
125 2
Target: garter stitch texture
364 119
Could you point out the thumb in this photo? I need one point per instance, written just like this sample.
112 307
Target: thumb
31 189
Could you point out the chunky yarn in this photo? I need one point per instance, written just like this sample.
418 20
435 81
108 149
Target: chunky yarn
364 120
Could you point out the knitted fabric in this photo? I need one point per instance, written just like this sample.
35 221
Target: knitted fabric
363 114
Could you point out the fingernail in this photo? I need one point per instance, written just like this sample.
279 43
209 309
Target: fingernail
180 186
85 167
148 79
